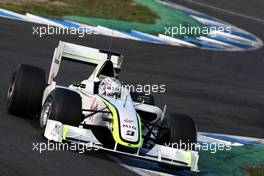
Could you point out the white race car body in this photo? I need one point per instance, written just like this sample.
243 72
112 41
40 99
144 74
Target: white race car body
118 115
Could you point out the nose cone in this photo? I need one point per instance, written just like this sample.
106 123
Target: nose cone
126 123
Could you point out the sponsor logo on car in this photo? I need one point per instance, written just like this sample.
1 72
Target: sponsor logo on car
130 133
93 107
129 121
56 130
130 127
143 99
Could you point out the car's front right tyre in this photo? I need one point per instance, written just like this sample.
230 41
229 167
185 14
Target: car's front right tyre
178 131
25 90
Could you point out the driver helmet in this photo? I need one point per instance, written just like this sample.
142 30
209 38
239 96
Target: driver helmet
110 87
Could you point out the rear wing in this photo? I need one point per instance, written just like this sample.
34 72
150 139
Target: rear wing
79 53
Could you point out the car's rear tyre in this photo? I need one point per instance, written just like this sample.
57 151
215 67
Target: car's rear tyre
178 131
142 98
25 91
62 105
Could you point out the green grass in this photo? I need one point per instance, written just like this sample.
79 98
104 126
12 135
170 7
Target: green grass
169 17
146 16
234 162
125 10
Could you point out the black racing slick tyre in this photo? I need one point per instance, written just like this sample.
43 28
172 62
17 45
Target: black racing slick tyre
104 135
62 105
178 131
25 91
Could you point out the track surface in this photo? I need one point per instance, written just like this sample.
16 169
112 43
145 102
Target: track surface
223 91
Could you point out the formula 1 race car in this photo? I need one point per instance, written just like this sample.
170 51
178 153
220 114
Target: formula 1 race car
102 112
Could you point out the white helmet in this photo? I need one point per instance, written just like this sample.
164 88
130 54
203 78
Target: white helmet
110 87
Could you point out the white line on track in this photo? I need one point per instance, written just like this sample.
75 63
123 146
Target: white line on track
226 11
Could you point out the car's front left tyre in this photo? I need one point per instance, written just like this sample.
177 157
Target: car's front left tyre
62 105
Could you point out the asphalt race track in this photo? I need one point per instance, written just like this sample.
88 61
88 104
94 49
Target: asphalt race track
223 91
243 72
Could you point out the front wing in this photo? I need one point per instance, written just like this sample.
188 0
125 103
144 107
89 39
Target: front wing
56 131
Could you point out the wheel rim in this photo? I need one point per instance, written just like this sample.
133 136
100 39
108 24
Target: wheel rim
11 90
45 113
